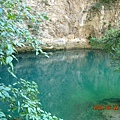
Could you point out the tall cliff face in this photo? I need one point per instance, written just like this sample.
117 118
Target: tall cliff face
72 22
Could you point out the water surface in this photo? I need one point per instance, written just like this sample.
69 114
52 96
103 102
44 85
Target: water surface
71 83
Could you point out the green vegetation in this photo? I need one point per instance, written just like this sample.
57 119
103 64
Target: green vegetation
23 102
108 1
110 42
99 4
19 26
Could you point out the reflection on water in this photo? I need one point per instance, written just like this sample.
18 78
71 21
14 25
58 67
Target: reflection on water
70 82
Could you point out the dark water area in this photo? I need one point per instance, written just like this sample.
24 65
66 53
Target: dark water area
71 83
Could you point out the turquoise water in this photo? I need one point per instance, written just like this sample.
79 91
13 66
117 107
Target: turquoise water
71 83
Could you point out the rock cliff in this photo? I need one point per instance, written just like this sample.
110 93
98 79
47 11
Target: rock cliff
73 22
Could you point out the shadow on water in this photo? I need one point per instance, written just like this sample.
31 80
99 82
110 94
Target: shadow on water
70 82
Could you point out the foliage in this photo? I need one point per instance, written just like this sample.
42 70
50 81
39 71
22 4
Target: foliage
108 1
18 28
2 116
109 42
99 4
23 102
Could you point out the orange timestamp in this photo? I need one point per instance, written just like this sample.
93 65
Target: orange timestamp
107 107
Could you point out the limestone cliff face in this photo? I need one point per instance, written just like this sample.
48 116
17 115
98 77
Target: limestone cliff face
72 22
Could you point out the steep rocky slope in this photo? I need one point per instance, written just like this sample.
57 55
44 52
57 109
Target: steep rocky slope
72 22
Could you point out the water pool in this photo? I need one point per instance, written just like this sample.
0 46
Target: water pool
71 83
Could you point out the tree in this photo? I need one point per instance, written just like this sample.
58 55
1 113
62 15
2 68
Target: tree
18 28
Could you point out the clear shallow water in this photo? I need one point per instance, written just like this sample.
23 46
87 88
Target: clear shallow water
71 83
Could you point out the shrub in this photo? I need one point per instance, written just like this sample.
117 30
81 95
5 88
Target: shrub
110 42
19 27
15 17
23 102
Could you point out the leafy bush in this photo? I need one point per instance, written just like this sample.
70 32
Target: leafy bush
99 4
19 26
23 102
108 1
110 42
15 18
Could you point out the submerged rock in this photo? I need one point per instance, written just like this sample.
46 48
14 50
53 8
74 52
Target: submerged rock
111 114
111 111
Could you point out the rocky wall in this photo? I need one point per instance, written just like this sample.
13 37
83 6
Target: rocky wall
72 22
